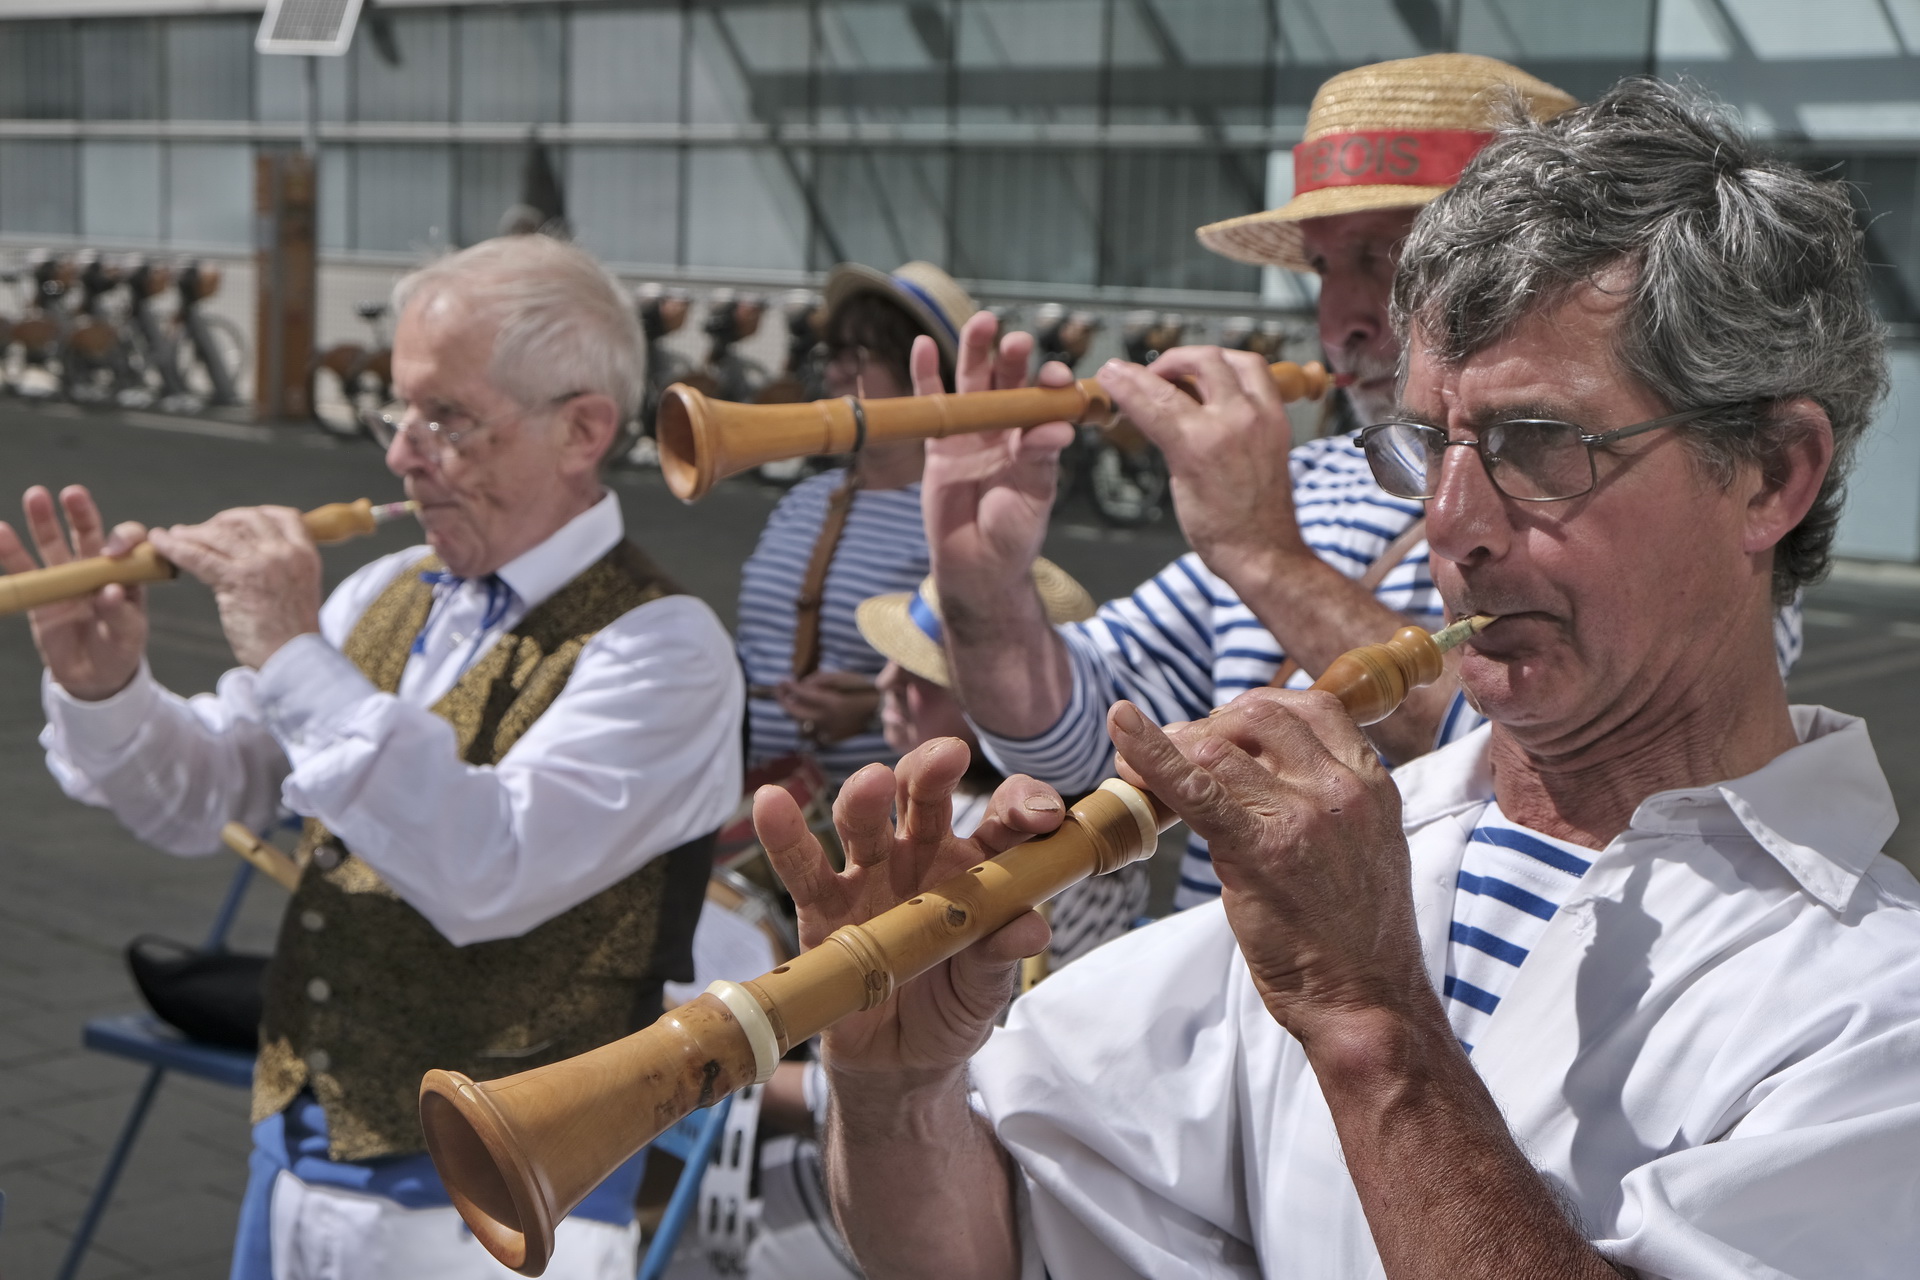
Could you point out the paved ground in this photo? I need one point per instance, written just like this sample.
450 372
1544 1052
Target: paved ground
74 888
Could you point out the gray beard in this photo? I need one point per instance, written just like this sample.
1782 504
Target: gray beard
1369 409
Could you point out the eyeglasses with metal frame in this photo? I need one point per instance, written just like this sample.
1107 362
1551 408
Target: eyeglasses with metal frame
1531 459
433 438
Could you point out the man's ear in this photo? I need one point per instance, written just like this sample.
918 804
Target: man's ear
1791 479
590 424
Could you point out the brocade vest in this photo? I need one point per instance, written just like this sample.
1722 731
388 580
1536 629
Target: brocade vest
364 996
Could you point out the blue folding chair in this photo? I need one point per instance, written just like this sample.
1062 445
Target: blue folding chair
692 1141
141 1037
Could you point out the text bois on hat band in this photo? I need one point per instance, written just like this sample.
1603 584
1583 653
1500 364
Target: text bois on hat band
1386 157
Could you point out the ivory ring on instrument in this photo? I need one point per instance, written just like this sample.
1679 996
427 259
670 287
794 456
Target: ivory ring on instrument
753 1020
1140 809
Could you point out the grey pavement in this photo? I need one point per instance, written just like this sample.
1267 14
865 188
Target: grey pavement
75 888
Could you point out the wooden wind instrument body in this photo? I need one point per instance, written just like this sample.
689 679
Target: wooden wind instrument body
518 1153
335 522
703 440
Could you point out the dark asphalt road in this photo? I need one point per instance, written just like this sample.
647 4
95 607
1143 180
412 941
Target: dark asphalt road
74 888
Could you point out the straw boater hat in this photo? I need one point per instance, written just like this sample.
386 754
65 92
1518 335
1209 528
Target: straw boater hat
906 626
927 293
1392 135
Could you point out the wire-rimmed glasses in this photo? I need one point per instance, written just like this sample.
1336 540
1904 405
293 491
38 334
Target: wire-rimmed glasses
434 439
1532 459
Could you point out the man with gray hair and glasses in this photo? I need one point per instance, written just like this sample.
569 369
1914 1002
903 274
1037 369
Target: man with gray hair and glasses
511 748
1620 984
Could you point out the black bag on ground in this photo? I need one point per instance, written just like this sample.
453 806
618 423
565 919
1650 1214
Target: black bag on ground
211 996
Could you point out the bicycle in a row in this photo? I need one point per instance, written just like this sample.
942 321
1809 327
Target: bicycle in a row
134 332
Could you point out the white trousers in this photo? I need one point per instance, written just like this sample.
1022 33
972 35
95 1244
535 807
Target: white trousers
329 1233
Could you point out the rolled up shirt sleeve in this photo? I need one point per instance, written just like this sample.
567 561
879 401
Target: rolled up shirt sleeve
639 754
1155 647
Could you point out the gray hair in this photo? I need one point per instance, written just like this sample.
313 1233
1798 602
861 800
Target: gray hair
564 325
1748 282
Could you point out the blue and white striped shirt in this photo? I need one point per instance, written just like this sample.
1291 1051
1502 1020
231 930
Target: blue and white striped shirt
1184 643
882 549
1511 882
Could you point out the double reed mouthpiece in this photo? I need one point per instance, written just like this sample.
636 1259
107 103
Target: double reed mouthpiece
518 1153
335 522
703 440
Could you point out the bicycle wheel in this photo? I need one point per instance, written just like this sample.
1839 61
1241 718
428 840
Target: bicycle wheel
1128 485
332 390
229 347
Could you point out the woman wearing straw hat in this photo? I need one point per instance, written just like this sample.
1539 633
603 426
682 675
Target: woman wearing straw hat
917 705
1295 558
842 536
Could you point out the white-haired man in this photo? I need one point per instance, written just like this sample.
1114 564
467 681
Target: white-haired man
511 749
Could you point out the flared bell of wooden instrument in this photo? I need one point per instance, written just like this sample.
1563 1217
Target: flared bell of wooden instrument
517 1154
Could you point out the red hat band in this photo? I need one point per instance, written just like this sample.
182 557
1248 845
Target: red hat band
1385 157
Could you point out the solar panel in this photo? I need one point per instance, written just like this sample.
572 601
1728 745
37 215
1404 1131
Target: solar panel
307 26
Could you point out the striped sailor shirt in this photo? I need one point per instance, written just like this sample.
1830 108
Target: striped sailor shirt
1184 643
882 549
1511 882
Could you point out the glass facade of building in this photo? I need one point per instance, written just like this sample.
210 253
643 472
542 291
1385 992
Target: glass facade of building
1065 144
1039 149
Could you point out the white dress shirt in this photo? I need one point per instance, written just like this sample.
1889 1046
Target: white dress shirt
639 754
1712 1053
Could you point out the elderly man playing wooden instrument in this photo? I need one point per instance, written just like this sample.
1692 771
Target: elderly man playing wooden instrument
1297 557
511 748
1618 985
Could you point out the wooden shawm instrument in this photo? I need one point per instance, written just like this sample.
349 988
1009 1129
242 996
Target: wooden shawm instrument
703 440
335 522
267 859
518 1153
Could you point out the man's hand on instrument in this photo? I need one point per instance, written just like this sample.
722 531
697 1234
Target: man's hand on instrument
92 646
1226 452
987 495
1303 822
264 570
830 706
933 1024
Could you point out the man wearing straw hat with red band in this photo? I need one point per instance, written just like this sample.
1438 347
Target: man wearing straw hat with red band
1296 558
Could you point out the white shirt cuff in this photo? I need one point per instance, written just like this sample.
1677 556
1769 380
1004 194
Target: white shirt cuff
307 690
100 732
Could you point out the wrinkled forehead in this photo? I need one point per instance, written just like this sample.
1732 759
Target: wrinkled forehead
1562 357
441 336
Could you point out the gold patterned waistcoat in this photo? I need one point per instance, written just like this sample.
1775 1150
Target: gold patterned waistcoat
364 995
